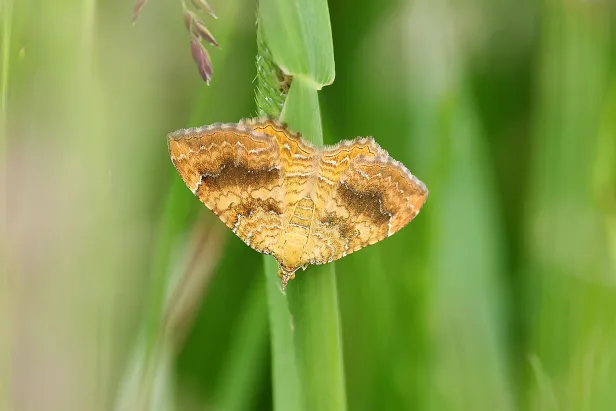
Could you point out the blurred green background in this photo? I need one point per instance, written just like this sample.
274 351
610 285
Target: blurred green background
500 295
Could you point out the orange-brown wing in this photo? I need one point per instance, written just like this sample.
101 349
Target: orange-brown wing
299 161
296 157
371 197
237 173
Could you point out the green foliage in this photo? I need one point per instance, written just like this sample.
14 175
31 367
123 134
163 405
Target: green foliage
124 292
298 34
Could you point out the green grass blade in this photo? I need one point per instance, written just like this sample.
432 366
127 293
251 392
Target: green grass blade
244 365
301 111
466 294
6 10
298 33
465 299
313 301
7 15
285 378
286 381
312 296
570 279
307 348
305 329
605 173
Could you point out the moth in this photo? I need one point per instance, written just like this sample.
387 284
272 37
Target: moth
285 197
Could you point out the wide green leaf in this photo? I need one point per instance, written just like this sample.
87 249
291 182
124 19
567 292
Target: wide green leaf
298 33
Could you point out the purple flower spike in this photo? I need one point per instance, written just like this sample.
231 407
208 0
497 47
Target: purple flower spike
201 58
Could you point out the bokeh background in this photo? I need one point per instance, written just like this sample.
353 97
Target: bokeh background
500 295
